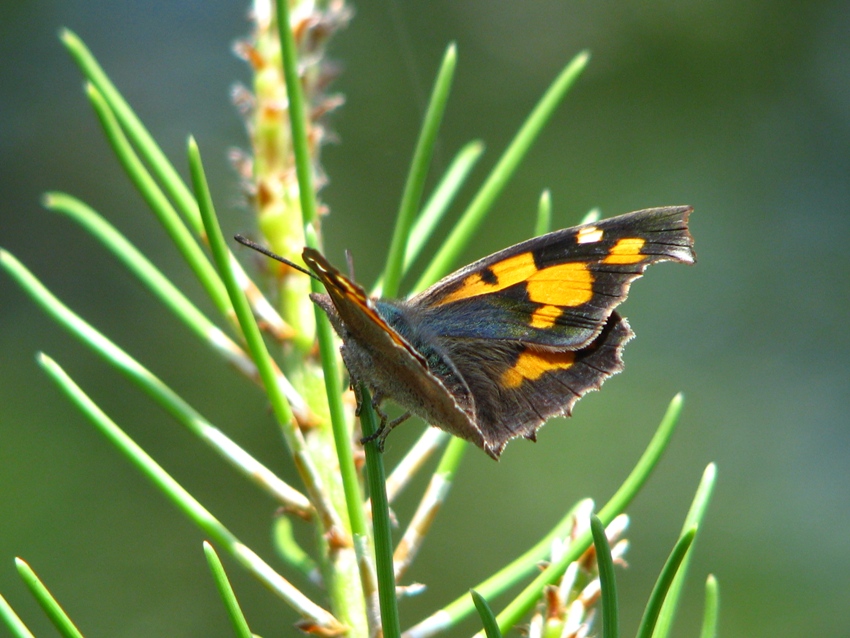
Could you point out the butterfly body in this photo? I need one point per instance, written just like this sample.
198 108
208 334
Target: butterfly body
492 351
392 370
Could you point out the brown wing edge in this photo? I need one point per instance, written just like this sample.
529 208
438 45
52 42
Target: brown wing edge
556 393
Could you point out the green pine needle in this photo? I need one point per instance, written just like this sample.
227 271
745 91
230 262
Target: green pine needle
415 183
668 573
380 520
228 596
13 621
695 517
132 126
712 608
544 214
488 618
607 581
297 114
63 623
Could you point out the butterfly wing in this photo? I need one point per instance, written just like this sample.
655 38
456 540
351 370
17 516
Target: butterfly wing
375 353
532 328
518 388
556 290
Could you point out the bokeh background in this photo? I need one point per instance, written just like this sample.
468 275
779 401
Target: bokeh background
739 108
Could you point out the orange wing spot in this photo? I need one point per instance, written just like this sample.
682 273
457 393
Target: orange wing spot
562 285
569 284
626 251
531 365
506 273
545 316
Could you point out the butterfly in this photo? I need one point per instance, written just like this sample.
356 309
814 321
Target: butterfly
492 351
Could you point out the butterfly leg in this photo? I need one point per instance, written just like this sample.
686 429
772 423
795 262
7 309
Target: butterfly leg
380 435
376 406
386 429
377 398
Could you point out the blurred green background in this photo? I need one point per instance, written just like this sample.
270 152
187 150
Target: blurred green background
739 108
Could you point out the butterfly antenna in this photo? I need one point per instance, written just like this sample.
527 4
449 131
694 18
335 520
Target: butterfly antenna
262 249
